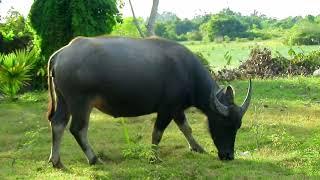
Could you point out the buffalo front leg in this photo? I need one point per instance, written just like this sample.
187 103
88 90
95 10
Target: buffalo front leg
185 128
162 122
58 123
79 130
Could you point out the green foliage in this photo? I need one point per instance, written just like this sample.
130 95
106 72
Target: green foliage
194 36
303 63
134 149
169 26
138 151
214 27
166 30
227 57
184 26
14 26
223 25
56 28
305 33
14 32
128 28
262 64
15 71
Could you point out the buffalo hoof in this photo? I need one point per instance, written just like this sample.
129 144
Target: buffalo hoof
198 149
96 161
57 164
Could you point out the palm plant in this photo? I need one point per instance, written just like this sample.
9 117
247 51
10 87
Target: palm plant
14 71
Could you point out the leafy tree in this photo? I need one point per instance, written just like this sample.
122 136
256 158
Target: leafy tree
128 28
14 32
304 33
151 20
57 22
166 30
14 26
223 25
184 26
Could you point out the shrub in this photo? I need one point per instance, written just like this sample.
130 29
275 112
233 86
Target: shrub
226 39
304 34
262 64
303 64
15 71
194 36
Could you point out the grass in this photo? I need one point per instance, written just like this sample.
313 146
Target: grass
279 138
240 51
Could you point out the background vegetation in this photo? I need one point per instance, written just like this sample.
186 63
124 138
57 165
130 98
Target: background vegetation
280 134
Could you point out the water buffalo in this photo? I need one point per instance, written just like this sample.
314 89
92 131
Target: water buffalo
126 77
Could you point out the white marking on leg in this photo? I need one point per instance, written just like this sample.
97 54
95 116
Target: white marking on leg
57 133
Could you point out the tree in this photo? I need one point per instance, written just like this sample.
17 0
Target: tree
127 28
14 32
57 22
220 26
184 26
136 22
152 18
166 17
151 21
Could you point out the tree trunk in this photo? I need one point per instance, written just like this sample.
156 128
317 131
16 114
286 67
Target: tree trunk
151 21
152 18
135 20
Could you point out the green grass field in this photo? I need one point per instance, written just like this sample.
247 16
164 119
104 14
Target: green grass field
240 51
279 139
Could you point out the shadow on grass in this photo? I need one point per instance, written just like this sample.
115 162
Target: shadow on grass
197 166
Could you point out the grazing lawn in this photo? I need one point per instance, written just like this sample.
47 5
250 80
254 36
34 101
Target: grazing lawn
279 138
239 51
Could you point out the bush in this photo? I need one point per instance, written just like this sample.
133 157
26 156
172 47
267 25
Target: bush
194 36
261 64
303 64
128 28
304 34
14 32
226 39
15 71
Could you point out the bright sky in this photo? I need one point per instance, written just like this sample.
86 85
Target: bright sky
190 8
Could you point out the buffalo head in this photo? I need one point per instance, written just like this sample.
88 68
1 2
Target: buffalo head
225 119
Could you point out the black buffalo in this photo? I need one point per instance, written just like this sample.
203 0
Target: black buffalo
126 77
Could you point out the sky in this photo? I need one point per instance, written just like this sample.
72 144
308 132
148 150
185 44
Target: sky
189 8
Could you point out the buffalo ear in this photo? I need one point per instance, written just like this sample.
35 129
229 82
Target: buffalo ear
229 94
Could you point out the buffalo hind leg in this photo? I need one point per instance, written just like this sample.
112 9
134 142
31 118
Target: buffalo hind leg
162 122
79 129
185 128
58 123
